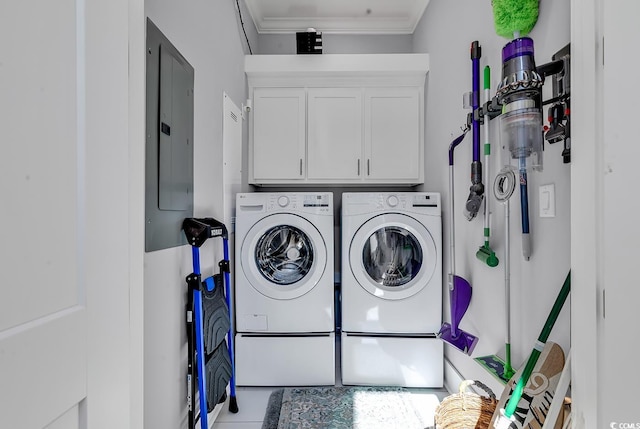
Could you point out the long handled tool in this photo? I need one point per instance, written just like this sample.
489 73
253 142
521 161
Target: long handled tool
459 289
518 92
476 191
485 253
503 188
507 414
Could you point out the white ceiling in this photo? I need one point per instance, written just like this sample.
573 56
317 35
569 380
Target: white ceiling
337 16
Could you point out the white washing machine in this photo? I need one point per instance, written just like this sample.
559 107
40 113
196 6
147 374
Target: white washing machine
391 289
284 290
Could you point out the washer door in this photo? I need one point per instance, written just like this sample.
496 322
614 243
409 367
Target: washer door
283 256
393 256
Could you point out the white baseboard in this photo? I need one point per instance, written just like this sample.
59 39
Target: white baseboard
452 378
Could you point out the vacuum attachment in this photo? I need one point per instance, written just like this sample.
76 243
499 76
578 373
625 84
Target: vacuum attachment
514 16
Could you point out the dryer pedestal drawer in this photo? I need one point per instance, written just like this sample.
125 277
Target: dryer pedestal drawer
292 360
392 361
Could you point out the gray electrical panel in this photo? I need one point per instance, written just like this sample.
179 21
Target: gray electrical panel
169 142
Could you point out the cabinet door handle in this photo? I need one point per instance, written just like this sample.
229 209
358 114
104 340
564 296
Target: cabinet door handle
368 168
358 167
301 166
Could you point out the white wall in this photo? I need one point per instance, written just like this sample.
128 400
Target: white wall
446 33
207 35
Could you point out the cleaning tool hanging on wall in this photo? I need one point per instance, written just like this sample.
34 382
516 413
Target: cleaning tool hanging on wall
485 253
503 188
519 93
521 121
505 416
514 18
459 288
476 192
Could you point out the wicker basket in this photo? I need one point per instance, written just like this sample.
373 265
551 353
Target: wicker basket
466 410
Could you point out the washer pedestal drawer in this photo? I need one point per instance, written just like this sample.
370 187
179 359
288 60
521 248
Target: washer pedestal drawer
384 360
288 360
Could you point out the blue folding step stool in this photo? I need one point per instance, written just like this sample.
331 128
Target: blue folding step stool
211 360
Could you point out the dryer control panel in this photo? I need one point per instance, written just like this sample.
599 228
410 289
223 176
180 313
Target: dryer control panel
414 202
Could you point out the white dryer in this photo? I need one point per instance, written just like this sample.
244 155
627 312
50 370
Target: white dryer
391 289
284 290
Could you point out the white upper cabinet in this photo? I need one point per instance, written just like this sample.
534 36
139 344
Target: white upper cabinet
334 134
392 135
336 119
279 134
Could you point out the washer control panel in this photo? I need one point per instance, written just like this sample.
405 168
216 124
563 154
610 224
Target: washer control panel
303 202
283 201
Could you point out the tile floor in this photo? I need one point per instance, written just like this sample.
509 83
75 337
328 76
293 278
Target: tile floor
252 403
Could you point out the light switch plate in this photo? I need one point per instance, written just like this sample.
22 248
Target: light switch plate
547 200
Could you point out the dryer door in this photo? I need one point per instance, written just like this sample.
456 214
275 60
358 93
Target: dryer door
283 256
393 256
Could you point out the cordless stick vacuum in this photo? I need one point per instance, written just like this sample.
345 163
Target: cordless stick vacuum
519 93
521 121
459 289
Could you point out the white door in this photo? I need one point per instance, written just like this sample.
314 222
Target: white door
43 336
232 160
620 232
334 133
392 134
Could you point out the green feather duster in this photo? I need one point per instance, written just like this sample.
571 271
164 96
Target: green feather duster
514 17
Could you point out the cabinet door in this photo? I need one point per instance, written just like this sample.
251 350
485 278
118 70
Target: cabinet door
278 134
392 135
334 134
